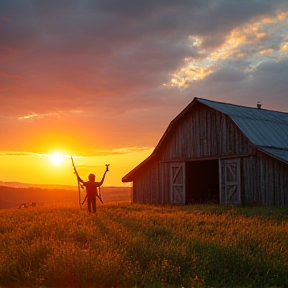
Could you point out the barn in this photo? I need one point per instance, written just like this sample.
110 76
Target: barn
215 152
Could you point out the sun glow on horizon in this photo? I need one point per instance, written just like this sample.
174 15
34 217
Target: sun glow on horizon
56 158
32 168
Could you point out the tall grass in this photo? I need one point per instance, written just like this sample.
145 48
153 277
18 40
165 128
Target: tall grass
128 245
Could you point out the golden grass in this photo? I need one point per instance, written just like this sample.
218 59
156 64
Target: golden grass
130 245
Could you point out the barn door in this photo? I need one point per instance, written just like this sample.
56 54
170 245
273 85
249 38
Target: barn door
230 181
178 183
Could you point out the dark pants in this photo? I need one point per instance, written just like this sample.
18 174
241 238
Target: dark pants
91 201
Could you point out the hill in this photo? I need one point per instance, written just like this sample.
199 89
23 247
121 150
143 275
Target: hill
12 197
43 186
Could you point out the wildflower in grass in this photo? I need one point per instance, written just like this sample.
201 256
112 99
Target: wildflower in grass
196 278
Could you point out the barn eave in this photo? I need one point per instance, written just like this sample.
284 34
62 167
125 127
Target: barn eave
138 169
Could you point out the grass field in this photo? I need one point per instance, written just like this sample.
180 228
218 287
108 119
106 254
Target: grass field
129 245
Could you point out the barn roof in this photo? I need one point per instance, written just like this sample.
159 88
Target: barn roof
262 127
267 130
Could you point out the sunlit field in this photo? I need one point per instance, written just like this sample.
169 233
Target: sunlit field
129 245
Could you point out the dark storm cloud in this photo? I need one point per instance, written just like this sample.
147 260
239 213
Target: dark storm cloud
226 74
270 81
115 55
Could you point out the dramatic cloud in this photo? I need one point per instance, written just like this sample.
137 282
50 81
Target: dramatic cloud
127 68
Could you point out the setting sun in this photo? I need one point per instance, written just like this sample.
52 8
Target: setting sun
56 158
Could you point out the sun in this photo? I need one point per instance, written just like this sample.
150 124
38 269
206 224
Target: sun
56 158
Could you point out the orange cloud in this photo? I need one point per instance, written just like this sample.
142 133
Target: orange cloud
249 34
121 151
267 51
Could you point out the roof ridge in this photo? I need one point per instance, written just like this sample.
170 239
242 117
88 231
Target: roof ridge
241 106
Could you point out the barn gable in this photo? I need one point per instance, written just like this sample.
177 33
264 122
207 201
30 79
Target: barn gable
232 146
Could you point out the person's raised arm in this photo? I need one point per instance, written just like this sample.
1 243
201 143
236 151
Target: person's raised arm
100 183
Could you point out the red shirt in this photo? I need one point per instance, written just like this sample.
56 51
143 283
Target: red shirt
91 188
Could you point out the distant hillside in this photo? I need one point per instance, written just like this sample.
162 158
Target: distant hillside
12 197
43 186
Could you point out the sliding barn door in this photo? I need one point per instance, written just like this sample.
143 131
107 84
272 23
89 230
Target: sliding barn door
230 181
178 195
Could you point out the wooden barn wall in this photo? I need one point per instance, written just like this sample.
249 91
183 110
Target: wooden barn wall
164 183
249 193
145 186
205 133
265 180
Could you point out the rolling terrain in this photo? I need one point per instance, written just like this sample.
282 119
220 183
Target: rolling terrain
12 197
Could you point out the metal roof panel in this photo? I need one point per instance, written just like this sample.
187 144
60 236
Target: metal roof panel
263 133
262 127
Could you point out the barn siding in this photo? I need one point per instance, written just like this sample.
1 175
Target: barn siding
145 186
248 179
264 180
205 133
164 181
272 180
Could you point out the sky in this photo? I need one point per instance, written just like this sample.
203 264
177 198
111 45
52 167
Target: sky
102 80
